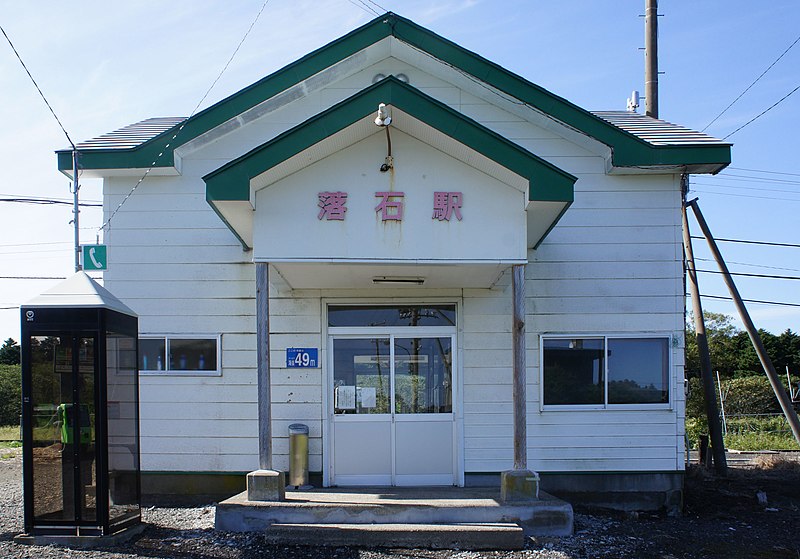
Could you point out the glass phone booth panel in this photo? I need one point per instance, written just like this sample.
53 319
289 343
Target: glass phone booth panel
63 426
80 421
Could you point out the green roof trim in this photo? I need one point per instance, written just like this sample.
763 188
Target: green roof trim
546 181
627 149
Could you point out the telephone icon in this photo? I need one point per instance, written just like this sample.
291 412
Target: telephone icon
93 259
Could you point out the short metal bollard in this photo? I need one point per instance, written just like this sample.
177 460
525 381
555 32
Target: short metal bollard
298 455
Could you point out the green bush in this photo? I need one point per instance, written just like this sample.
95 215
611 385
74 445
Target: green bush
749 395
10 394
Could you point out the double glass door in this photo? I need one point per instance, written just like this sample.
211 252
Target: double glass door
392 399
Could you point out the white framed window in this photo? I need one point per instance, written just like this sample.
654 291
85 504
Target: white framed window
179 354
601 372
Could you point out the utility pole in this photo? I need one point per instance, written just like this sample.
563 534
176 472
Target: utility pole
783 398
76 208
651 58
712 414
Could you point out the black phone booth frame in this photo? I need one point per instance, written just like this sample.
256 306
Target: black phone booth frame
80 421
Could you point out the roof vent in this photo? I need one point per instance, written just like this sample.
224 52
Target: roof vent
633 101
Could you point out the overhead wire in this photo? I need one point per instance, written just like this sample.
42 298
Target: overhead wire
48 201
107 222
750 264
384 10
745 195
748 89
704 183
748 275
764 171
792 245
765 111
758 301
41 93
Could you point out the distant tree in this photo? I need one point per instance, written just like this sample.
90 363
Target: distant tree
10 353
732 352
723 342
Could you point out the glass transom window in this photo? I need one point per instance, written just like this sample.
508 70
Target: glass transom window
389 316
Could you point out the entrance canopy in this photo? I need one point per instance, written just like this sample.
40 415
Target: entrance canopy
454 193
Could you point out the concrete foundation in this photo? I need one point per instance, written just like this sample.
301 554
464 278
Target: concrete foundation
519 486
266 485
82 542
431 513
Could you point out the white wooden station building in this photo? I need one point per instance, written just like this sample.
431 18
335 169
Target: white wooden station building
384 246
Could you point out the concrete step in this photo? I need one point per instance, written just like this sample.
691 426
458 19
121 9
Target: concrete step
497 536
546 516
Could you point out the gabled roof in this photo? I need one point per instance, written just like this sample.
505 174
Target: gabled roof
229 188
628 149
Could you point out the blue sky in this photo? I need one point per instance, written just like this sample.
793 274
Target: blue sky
104 65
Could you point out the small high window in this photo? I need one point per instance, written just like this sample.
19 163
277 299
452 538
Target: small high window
178 355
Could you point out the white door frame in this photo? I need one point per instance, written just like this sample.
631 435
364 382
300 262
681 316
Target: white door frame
399 332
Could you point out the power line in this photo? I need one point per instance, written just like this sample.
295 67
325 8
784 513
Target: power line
751 85
384 10
51 198
743 274
764 171
366 7
38 88
35 244
33 277
704 183
750 242
48 201
750 300
749 264
745 195
765 111
107 223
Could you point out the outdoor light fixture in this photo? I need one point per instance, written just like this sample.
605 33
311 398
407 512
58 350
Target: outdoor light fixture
383 120
415 280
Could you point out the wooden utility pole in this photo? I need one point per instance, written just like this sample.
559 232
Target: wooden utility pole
712 413
651 58
783 398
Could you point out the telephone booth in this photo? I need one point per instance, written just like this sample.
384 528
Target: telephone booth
80 414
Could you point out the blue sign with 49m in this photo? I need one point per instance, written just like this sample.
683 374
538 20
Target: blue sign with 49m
302 357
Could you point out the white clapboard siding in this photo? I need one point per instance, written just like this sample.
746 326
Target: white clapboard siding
613 233
613 264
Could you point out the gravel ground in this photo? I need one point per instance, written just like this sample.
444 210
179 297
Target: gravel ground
723 518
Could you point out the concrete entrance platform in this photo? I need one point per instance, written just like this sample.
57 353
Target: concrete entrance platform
436 517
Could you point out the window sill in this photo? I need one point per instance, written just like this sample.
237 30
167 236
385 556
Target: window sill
180 373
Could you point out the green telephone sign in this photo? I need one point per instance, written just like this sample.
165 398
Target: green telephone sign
95 257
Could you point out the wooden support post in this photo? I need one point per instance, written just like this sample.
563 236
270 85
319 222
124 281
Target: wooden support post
265 484
710 394
519 372
519 484
780 393
262 343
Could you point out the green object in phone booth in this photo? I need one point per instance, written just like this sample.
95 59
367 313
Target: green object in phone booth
66 415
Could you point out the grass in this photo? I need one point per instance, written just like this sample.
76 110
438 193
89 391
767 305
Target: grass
749 433
9 433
